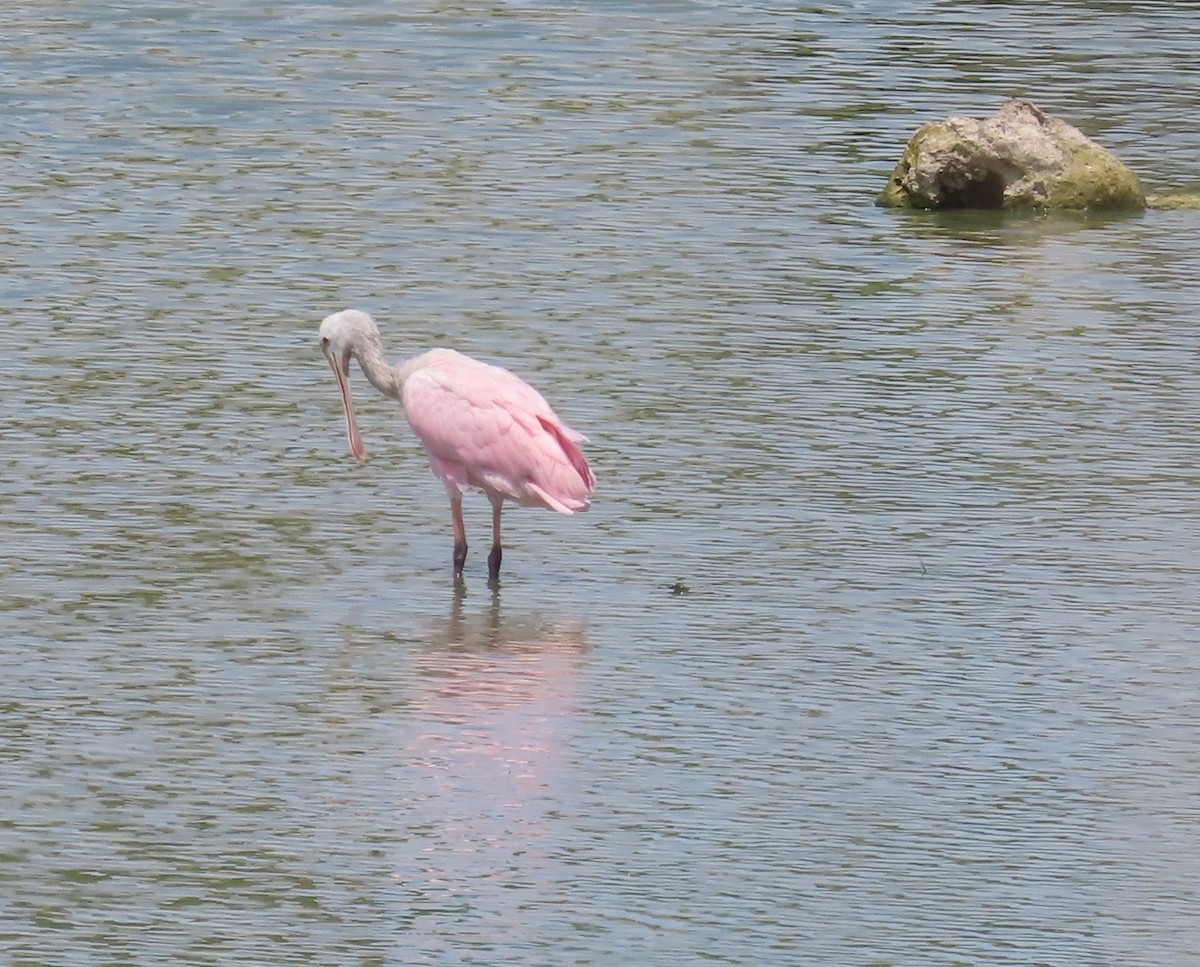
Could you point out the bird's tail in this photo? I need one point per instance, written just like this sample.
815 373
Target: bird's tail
569 440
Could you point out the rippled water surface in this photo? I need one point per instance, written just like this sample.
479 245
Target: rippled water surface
880 643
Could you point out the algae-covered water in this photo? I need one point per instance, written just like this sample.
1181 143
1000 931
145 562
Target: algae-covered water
879 643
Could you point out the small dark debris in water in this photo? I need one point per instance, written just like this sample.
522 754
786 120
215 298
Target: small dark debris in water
678 588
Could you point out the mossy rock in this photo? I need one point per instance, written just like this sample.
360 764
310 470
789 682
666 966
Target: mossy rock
1019 159
1182 200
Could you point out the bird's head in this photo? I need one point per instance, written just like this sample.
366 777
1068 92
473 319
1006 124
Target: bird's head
344 335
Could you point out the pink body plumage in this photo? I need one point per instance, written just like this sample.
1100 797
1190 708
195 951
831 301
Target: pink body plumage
484 427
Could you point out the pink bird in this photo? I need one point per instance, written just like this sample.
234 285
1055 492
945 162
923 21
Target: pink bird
481 426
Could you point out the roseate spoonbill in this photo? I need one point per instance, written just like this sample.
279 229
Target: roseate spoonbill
481 426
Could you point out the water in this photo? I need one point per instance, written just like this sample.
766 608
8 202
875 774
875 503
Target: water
878 646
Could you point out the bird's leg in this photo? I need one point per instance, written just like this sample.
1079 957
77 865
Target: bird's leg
497 553
460 534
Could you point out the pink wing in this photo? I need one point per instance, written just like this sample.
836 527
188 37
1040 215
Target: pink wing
485 427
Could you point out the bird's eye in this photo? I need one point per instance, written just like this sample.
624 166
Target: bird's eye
324 340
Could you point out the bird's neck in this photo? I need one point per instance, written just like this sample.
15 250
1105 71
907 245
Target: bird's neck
379 372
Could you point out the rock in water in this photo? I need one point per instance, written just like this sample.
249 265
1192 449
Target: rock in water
1021 158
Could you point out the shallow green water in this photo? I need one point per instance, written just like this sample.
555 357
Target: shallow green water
879 644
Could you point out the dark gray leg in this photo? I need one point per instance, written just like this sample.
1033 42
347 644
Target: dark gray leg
497 552
460 535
